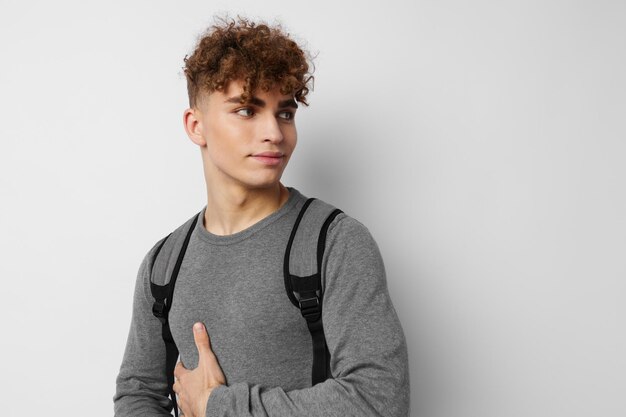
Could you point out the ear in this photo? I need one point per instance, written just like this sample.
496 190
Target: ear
193 126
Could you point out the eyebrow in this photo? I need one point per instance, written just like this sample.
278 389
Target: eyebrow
258 102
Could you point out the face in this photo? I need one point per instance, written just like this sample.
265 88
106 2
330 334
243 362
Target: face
244 144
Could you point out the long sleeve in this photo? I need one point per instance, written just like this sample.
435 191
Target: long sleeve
141 385
368 350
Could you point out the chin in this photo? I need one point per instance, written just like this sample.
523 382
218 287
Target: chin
262 183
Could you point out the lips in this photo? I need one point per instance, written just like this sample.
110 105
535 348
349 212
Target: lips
270 158
269 154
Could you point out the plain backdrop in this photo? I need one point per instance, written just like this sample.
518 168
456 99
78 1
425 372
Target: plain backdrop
482 143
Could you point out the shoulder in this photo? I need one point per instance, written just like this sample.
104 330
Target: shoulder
349 237
349 241
158 255
151 254
347 227
352 259
343 229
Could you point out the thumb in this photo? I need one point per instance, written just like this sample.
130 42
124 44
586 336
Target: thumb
201 337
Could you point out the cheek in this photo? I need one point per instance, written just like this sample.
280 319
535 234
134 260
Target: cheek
223 138
291 137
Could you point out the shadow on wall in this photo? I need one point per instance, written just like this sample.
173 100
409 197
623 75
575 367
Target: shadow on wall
337 161
331 166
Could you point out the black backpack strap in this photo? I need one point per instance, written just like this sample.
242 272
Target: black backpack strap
310 293
163 296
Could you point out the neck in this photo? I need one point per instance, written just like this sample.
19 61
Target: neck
233 209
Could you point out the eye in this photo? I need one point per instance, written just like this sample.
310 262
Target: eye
245 111
286 115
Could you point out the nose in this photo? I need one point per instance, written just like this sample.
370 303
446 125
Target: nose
271 131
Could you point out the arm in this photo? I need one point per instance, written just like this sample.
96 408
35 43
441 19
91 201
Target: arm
141 385
366 342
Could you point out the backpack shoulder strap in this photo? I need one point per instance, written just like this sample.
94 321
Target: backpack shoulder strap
302 269
173 246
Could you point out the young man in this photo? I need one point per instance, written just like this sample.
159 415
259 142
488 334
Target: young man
244 349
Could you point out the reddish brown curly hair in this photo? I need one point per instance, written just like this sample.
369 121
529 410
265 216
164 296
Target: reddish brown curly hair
257 54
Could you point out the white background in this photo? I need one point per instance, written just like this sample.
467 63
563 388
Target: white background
482 143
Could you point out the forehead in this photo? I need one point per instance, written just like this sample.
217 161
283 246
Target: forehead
234 89
231 96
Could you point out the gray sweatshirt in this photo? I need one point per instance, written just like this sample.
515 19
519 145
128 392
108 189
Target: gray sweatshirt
234 285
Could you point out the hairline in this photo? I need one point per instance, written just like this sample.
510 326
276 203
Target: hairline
202 96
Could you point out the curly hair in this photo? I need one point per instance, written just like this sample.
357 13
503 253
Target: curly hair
257 54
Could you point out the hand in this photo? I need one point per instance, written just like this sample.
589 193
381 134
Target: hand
194 387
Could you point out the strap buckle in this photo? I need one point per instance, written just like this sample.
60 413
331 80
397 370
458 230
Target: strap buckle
159 310
310 308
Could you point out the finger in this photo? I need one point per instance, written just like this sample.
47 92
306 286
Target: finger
201 337
180 370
